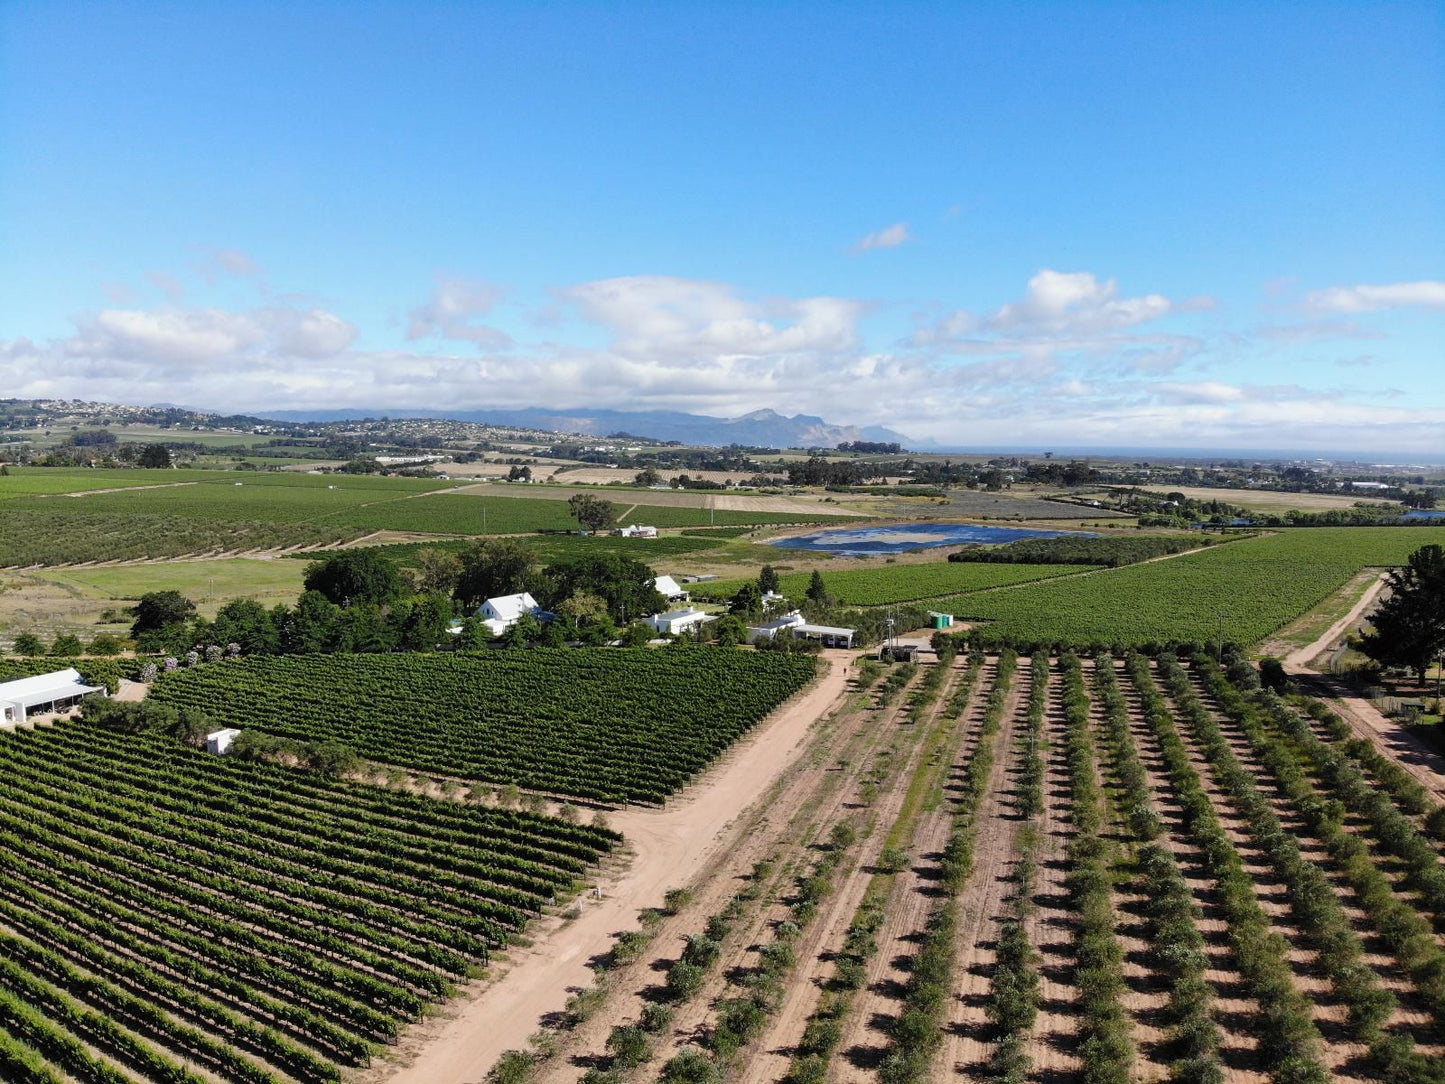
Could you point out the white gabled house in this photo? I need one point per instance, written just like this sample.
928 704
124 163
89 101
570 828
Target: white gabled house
670 589
637 530
501 613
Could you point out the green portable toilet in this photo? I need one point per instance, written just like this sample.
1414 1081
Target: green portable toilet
942 621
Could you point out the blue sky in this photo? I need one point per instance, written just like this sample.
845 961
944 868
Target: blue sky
1154 224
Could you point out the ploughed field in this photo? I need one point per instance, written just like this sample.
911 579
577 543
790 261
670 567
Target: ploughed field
168 916
611 726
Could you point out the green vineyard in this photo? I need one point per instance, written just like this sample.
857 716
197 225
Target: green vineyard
161 909
602 725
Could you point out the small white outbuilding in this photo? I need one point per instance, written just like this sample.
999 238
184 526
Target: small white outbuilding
677 621
670 589
218 742
501 613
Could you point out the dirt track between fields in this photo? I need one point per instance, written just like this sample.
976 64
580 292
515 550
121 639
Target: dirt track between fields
671 846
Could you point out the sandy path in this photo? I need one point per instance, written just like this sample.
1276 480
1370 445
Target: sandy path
968 1043
1300 658
1367 721
120 489
671 845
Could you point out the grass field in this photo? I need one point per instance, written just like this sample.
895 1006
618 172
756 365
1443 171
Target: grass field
885 584
1243 591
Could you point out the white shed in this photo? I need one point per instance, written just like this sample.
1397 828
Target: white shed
44 693
670 589
219 741
637 530
772 628
670 624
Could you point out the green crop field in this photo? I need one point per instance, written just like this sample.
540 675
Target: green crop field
885 584
615 725
558 547
170 513
183 914
1243 591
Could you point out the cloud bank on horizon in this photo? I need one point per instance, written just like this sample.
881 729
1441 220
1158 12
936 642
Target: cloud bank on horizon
1186 226
1072 359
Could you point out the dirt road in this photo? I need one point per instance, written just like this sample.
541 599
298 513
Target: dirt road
671 846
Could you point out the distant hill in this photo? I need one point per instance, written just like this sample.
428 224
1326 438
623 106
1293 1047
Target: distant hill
764 428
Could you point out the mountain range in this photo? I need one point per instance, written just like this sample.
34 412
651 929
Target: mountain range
761 428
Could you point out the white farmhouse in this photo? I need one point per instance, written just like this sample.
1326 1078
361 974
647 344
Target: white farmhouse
670 624
58 691
670 589
501 613
637 530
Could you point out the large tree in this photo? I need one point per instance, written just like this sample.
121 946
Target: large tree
594 513
624 584
158 610
497 566
1409 626
352 576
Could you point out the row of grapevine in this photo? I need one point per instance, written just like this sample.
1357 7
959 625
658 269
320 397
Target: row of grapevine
142 921
608 726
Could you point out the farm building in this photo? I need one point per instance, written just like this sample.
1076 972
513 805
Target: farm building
772 628
670 624
501 613
637 530
43 694
827 635
219 742
669 589
796 626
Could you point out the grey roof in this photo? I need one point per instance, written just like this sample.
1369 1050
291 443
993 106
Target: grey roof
825 630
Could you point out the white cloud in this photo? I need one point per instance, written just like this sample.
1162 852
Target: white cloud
653 315
1058 306
1365 298
1070 360
186 337
888 237
453 312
